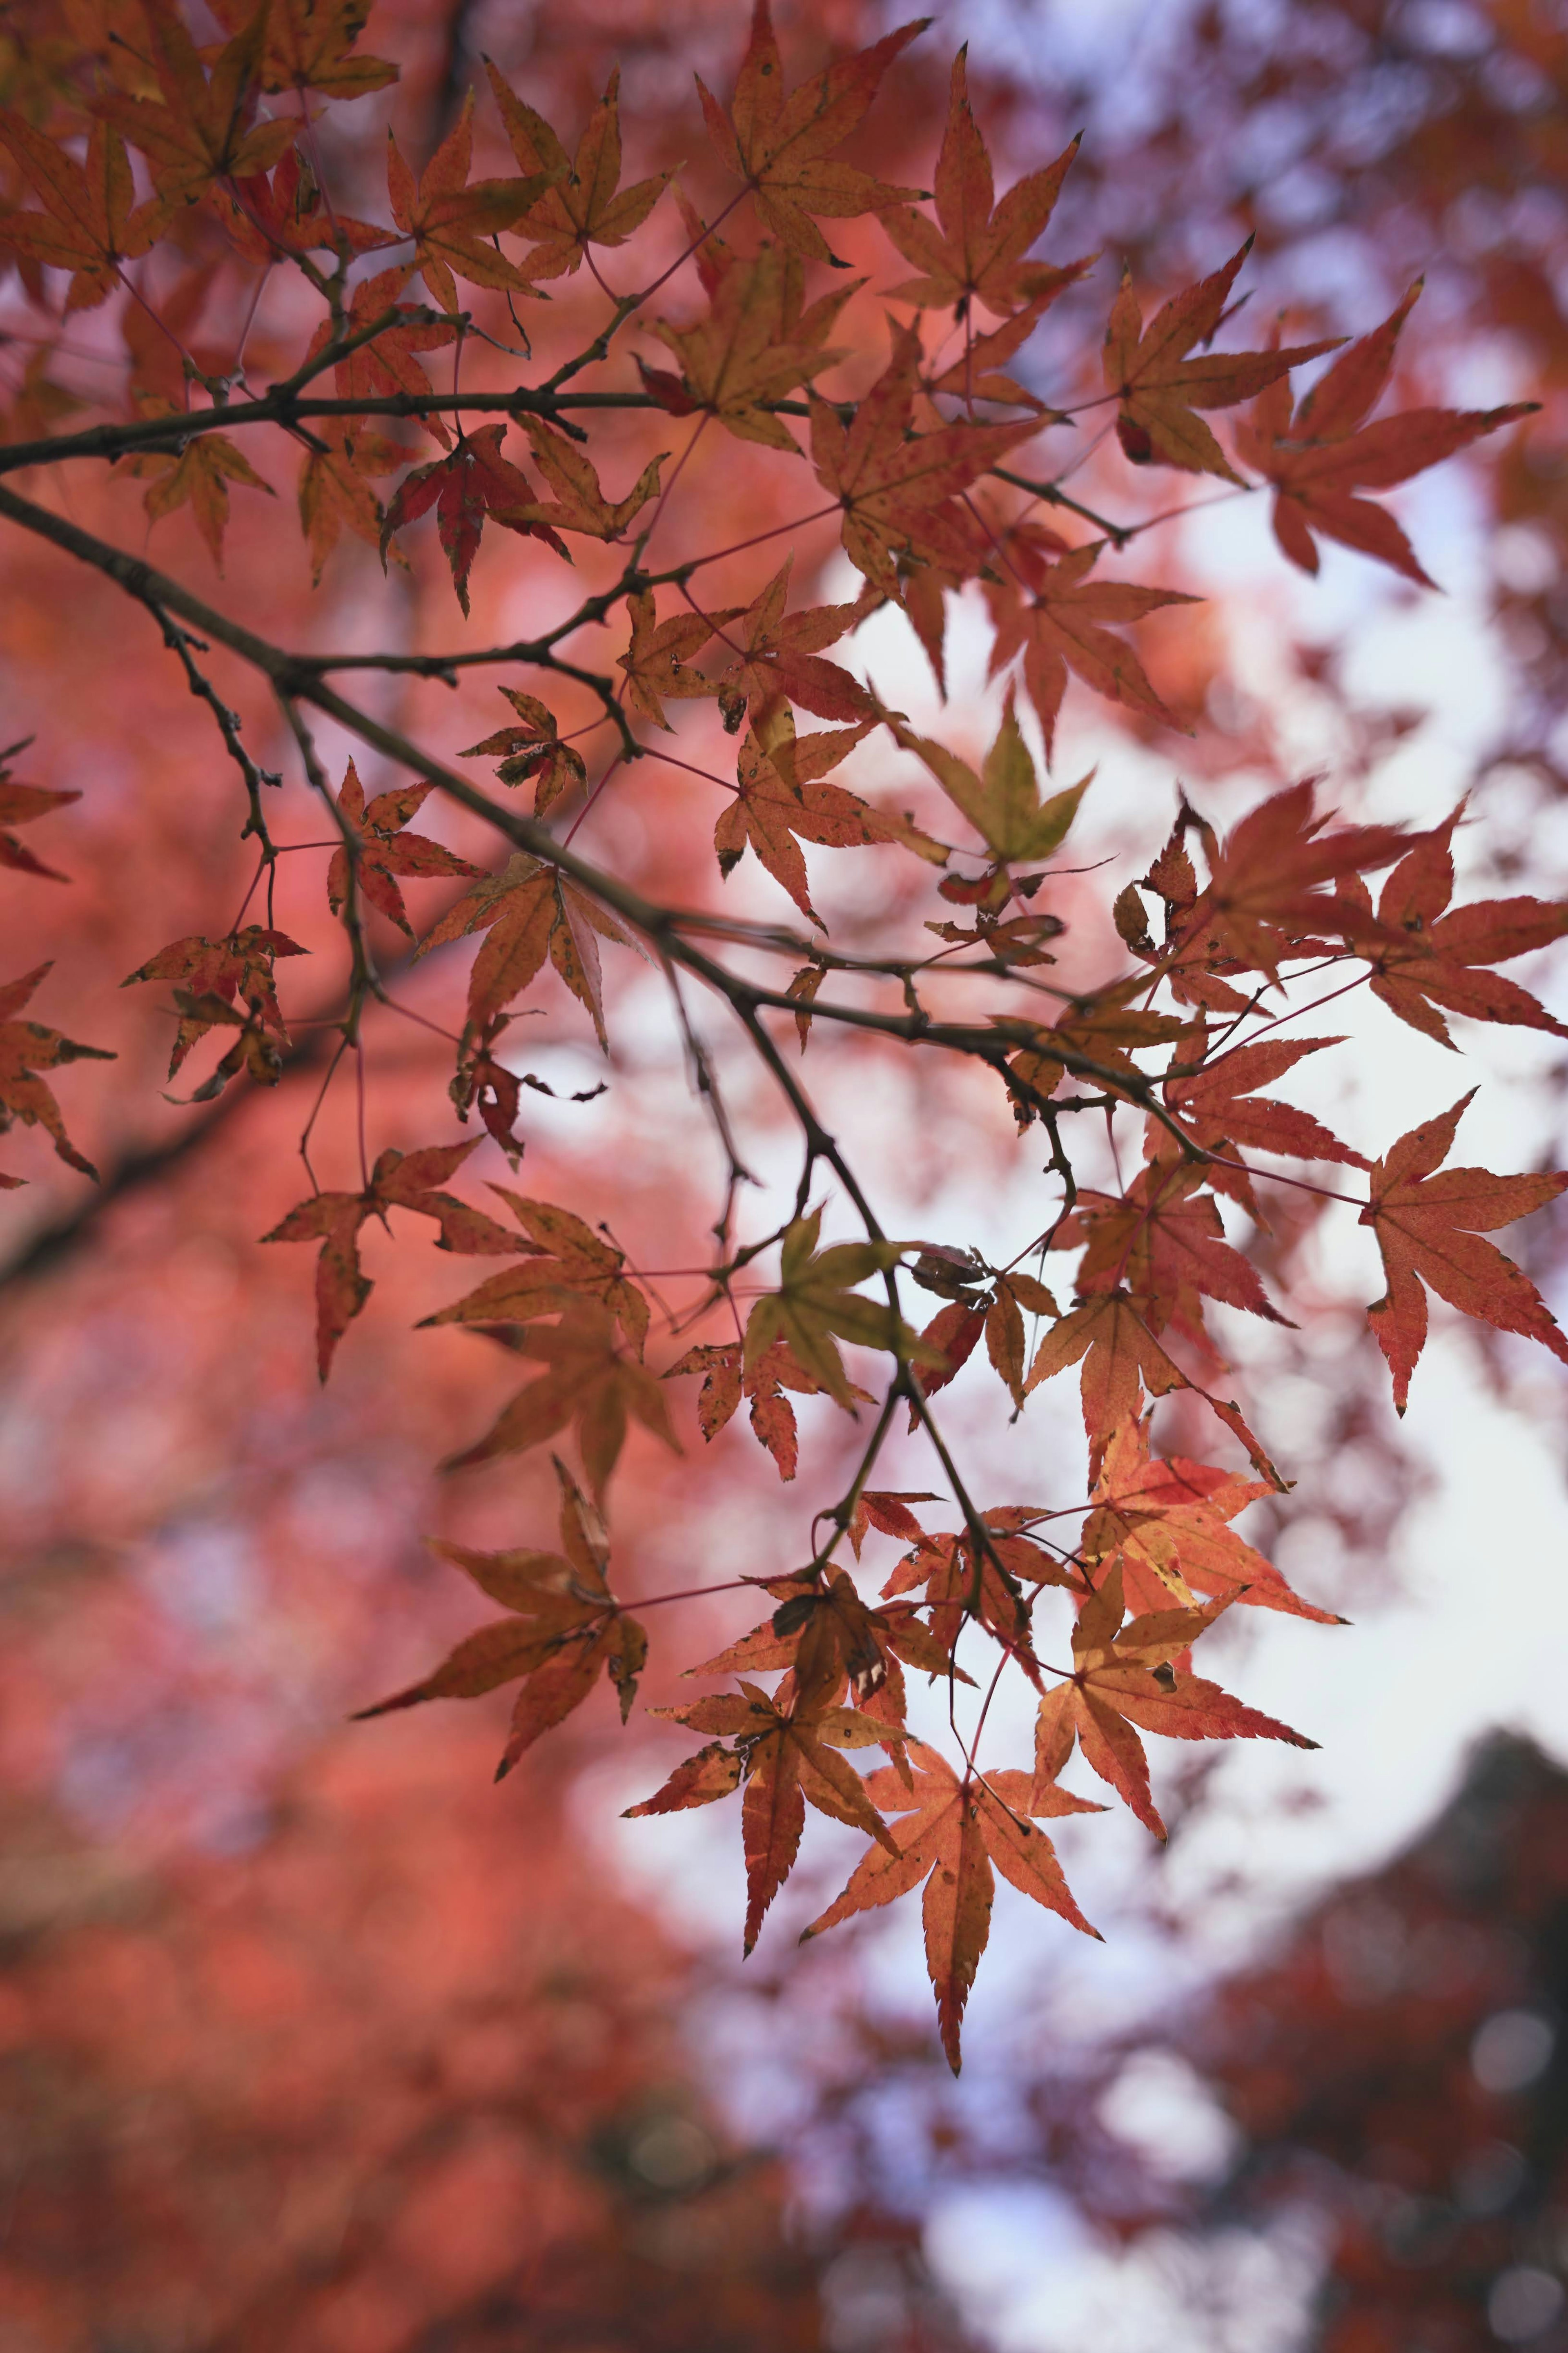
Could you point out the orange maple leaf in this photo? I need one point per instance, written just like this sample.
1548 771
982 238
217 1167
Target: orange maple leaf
786 1756
26 1048
954 1832
450 222
1321 455
777 656
726 1378
202 129
237 966
588 1380
199 477
383 856
1123 1680
1161 383
398 1181
1166 1524
90 222
566 1625
782 800
566 1262
579 504
335 497
658 662
977 252
830 1639
534 749
781 145
583 203
530 912
756 344
1429 1220
308 45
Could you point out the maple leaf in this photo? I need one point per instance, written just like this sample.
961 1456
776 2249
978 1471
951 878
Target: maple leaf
530 912
199 477
589 1380
580 504
39 403
91 221
1163 1240
829 1639
382 855
1013 1296
1095 1037
815 1300
475 482
566 1262
283 212
1429 1220
657 660
965 1578
1122 1357
450 221
901 491
977 374
726 1378
534 749
200 129
977 252
566 1625
1122 1681
1061 625
782 800
1265 891
334 497
1219 1107
308 45
1003 802
956 1831
1166 1524
784 1760
779 146
1161 383
778 658
20 805
755 346
218 972
385 365
254 1051
1320 457
1435 962
399 1180
583 203
26 1049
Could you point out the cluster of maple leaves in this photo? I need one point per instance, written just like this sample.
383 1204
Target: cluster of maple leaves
917 470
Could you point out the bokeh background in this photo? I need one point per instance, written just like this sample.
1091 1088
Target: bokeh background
311 2038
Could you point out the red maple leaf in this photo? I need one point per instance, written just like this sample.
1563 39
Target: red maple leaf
1320 455
976 253
781 145
1429 1220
